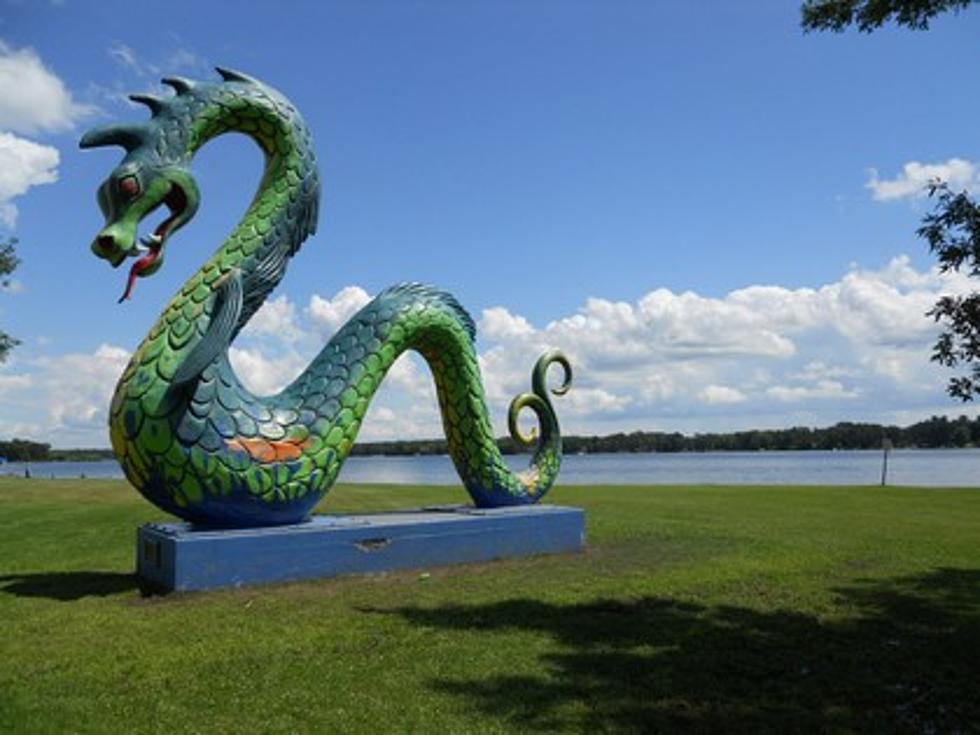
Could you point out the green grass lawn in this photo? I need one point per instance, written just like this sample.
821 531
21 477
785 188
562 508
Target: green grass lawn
699 608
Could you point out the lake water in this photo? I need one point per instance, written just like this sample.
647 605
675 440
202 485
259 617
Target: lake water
925 467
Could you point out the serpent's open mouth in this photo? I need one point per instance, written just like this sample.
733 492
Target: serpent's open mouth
149 250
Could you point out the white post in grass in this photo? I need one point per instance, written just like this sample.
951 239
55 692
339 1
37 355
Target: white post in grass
886 447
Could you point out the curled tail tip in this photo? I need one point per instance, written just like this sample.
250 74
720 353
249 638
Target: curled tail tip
545 414
539 401
539 377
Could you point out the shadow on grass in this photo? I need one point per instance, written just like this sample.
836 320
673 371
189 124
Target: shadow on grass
905 660
67 585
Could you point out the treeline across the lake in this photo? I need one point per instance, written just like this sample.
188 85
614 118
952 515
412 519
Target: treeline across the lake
937 432
24 450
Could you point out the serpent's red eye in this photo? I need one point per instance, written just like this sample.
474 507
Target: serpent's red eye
129 186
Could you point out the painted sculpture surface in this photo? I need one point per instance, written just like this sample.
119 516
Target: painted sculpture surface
189 435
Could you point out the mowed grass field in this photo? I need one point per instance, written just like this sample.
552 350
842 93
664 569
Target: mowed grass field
754 609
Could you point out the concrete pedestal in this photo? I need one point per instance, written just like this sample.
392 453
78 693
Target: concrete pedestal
176 556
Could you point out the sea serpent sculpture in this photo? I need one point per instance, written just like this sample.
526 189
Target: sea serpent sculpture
189 436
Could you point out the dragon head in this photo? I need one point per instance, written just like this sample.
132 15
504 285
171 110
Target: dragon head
153 173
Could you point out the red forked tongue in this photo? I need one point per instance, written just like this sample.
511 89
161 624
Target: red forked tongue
137 270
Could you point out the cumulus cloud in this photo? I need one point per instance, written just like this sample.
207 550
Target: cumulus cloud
23 164
687 360
679 326
498 323
265 373
63 400
718 394
915 177
821 390
32 98
276 317
329 314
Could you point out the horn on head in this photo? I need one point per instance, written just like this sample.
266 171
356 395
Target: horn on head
154 103
129 137
180 85
230 75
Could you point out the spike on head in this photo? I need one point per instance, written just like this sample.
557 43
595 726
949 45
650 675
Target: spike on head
179 84
230 75
129 137
155 104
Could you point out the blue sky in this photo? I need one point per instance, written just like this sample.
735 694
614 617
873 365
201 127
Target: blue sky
711 211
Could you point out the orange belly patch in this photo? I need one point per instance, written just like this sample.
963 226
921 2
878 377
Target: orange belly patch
263 450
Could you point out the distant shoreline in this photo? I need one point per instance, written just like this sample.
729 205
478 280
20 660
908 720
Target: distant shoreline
938 432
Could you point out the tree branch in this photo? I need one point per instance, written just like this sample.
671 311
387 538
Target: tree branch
837 15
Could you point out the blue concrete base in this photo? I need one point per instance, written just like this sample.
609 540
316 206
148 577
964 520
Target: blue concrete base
176 556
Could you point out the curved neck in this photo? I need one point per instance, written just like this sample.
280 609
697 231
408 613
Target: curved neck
281 216
284 210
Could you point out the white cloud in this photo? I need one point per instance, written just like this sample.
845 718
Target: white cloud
32 98
588 401
266 374
822 390
682 359
23 164
915 177
276 317
720 394
819 370
498 323
330 314
63 400
410 374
